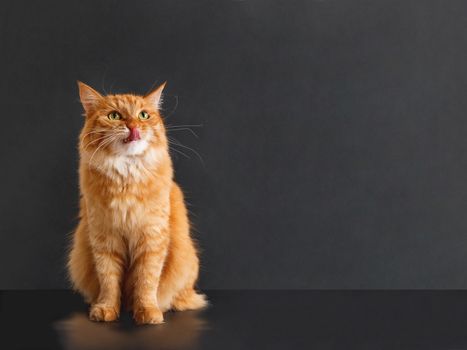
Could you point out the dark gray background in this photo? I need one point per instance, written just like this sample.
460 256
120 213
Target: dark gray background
333 141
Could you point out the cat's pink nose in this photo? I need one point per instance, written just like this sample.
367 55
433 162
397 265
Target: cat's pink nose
133 136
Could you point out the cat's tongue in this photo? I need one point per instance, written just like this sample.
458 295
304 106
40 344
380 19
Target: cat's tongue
134 135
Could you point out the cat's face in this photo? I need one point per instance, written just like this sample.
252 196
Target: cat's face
126 125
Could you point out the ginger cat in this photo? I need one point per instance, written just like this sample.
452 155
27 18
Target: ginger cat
132 244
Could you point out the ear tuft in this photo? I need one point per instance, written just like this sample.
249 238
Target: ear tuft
155 97
89 97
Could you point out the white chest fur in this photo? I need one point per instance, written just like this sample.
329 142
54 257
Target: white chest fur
125 167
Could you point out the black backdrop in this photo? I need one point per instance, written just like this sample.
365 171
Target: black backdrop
333 138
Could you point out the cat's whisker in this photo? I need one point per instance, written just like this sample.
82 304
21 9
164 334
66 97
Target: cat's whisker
173 109
185 125
96 140
94 132
103 144
122 133
177 143
108 141
97 149
178 151
107 132
98 131
181 129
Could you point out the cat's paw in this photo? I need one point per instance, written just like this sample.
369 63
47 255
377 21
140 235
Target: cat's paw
148 315
103 313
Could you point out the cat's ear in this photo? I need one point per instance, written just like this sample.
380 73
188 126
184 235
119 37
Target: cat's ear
89 97
155 97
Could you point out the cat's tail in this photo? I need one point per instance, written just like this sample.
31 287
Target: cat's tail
188 299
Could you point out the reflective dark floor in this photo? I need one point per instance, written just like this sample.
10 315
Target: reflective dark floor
247 320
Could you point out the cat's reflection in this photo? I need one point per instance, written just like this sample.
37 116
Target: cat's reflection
181 330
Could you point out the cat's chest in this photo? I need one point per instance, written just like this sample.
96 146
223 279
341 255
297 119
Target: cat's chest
125 193
129 209
120 168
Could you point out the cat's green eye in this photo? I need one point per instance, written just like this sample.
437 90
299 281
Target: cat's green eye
143 115
114 116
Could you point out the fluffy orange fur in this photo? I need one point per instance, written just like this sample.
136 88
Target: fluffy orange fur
132 244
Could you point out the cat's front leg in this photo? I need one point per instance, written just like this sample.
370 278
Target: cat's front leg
108 253
148 259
